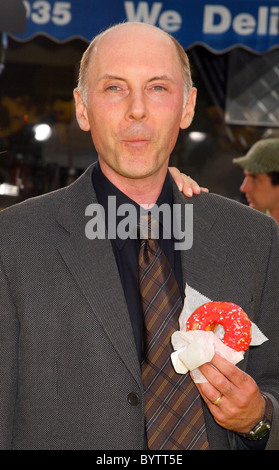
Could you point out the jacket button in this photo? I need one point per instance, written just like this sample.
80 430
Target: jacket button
133 399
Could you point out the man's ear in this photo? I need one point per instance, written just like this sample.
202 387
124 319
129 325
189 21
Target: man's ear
81 111
189 109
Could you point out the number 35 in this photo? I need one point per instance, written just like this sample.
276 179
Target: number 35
41 12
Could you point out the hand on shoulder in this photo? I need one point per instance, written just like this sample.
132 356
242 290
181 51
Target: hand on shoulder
185 183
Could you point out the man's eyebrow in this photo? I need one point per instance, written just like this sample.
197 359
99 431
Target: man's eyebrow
108 76
160 77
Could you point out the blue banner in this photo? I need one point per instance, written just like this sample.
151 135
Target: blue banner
218 24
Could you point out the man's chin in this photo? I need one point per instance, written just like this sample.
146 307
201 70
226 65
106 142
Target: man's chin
136 174
254 206
138 170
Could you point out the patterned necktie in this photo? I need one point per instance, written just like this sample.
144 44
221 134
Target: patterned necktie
173 409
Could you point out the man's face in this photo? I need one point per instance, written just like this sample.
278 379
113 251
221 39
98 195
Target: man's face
259 191
135 101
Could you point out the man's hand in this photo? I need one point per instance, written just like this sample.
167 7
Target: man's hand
241 405
186 184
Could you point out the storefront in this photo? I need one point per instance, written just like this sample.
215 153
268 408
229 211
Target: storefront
217 24
233 51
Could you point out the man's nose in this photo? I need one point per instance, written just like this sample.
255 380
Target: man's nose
137 108
245 186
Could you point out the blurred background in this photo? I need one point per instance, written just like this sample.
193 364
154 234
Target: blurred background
234 55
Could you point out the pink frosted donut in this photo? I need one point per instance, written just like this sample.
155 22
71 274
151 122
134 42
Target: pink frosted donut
233 319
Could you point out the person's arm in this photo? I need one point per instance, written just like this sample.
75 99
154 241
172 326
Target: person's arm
242 404
185 183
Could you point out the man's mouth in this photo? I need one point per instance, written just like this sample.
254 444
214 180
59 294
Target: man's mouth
138 142
249 199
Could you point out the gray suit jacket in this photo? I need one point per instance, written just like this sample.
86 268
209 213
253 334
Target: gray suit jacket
68 360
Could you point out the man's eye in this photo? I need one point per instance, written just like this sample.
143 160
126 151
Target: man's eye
113 88
159 88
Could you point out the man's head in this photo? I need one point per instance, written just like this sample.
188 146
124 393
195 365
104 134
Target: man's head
131 96
87 56
261 170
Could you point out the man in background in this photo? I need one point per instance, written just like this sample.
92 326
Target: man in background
261 182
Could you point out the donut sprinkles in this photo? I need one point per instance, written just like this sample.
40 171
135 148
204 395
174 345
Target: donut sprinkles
231 317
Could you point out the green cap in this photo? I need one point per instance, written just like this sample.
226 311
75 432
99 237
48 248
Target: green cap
263 157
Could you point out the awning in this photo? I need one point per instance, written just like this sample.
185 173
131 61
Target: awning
217 24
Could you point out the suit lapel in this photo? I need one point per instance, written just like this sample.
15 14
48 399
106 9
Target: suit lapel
92 264
203 264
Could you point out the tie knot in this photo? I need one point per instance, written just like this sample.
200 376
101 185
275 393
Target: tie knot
147 227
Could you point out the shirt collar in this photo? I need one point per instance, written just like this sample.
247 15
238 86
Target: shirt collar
104 188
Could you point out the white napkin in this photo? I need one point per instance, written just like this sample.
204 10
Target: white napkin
194 348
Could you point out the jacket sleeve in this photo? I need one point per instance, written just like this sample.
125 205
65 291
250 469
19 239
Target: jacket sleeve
263 361
9 329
